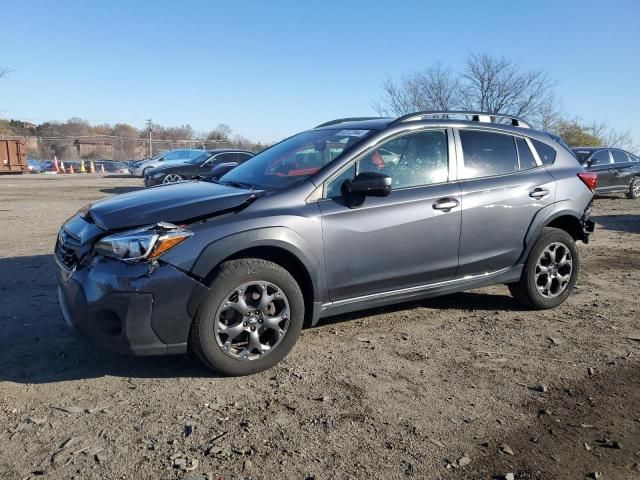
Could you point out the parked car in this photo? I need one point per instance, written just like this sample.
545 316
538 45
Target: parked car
111 166
618 171
179 155
199 166
33 166
319 225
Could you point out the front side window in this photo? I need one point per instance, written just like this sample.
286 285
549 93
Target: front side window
487 154
199 159
619 156
295 159
546 152
411 160
601 157
243 157
226 157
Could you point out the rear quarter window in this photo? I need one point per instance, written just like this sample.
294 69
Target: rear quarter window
546 152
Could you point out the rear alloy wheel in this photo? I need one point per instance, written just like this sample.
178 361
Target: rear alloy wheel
634 188
172 178
251 320
550 272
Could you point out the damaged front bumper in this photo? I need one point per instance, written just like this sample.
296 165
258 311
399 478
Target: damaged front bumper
133 308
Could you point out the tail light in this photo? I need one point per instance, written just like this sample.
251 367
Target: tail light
590 179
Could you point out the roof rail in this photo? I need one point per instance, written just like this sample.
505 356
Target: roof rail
349 119
484 117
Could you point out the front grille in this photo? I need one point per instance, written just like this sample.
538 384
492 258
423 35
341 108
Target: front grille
66 255
67 247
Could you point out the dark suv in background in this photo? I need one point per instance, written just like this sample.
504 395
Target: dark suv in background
352 214
618 171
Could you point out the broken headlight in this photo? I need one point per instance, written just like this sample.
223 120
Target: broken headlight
142 244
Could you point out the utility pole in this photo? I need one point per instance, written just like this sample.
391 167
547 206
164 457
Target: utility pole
150 127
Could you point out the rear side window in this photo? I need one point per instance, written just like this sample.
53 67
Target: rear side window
619 156
243 156
526 157
546 152
487 154
632 158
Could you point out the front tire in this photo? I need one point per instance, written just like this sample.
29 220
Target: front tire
634 189
251 319
550 272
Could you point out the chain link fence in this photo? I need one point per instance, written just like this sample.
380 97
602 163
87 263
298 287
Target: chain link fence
108 147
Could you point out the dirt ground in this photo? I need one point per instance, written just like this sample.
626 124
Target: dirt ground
467 386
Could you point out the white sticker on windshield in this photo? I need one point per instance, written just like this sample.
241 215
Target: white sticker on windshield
352 133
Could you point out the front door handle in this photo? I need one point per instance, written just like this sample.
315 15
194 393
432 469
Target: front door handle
445 204
538 193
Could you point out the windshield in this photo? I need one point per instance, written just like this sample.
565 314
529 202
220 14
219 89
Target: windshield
294 159
197 160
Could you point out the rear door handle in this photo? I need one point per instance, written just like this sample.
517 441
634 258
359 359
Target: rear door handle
445 204
538 193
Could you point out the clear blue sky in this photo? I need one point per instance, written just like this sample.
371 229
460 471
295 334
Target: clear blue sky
271 68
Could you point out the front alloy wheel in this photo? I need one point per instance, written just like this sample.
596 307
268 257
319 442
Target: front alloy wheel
172 178
252 326
252 320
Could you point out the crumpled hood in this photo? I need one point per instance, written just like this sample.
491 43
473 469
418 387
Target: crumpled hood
171 203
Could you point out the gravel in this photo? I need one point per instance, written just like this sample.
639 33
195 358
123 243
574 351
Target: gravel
444 382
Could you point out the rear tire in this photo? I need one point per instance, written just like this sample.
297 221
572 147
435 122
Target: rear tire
634 189
550 272
264 323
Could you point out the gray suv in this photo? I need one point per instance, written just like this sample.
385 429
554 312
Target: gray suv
352 214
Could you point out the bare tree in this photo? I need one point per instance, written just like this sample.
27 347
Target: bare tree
435 88
222 133
487 83
498 85
612 137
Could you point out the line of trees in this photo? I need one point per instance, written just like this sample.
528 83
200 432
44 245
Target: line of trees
77 138
497 85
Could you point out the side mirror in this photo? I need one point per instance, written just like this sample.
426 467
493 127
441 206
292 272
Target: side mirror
161 159
222 168
368 184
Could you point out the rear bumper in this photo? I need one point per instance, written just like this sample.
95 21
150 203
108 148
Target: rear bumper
588 226
129 308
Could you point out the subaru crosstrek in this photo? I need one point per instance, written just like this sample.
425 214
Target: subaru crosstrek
353 214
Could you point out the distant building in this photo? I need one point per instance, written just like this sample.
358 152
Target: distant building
96 148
